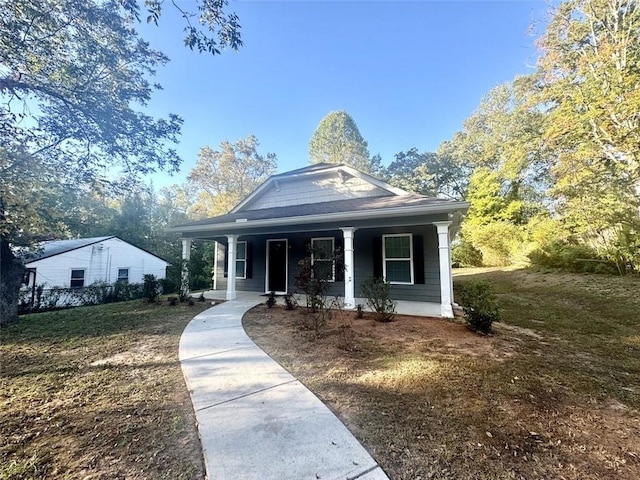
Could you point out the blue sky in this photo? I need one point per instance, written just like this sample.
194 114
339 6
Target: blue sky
409 73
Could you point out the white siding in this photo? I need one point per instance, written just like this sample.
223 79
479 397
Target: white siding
101 262
313 189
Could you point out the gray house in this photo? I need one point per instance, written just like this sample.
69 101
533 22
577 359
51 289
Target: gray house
382 231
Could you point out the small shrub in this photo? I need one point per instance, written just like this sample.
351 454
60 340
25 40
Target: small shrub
480 306
151 288
377 292
173 301
271 301
168 285
201 298
359 312
346 338
289 302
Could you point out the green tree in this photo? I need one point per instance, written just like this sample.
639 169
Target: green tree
502 146
429 173
224 177
589 85
74 75
337 140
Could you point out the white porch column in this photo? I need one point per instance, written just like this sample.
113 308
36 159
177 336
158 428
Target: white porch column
215 265
184 272
349 263
231 267
446 278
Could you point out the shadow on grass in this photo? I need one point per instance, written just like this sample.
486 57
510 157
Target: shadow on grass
100 320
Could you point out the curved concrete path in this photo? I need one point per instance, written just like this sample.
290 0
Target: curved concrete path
256 421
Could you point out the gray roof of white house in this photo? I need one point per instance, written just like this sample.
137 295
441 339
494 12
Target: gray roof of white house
56 247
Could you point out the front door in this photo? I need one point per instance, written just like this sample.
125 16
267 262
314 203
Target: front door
277 258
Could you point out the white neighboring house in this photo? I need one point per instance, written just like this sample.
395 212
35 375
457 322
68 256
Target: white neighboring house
83 261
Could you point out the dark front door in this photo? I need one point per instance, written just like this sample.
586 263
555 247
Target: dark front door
277 266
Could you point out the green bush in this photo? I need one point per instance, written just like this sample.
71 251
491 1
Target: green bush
377 292
150 288
501 243
463 254
571 257
480 306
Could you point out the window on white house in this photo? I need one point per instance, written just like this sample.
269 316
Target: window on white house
397 252
241 260
77 278
123 274
322 258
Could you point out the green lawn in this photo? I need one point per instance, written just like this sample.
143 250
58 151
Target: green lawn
97 393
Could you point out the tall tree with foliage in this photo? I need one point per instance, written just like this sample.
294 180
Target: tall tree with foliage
224 177
338 140
429 173
74 76
507 164
590 86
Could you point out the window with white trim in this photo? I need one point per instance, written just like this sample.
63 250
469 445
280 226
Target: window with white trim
77 278
322 258
397 258
241 260
123 274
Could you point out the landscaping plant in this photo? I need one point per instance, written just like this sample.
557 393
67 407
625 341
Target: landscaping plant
480 306
377 292
151 288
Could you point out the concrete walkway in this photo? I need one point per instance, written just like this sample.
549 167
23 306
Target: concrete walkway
256 421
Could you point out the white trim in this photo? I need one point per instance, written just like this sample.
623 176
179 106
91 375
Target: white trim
244 276
398 259
332 260
349 266
215 265
231 266
323 217
84 276
184 270
118 275
286 261
446 277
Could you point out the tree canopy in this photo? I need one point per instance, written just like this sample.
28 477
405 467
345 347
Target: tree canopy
224 177
338 140
554 155
75 78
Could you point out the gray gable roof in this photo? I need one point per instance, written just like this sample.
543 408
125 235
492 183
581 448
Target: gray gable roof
56 247
322 208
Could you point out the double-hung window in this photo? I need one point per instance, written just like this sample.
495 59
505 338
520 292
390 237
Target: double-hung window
77 278
322 258
123 274
241 260
397 255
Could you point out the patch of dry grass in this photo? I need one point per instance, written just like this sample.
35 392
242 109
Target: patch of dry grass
555 393
97 393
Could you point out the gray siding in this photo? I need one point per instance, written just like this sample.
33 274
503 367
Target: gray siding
429 291
365 258
311 189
